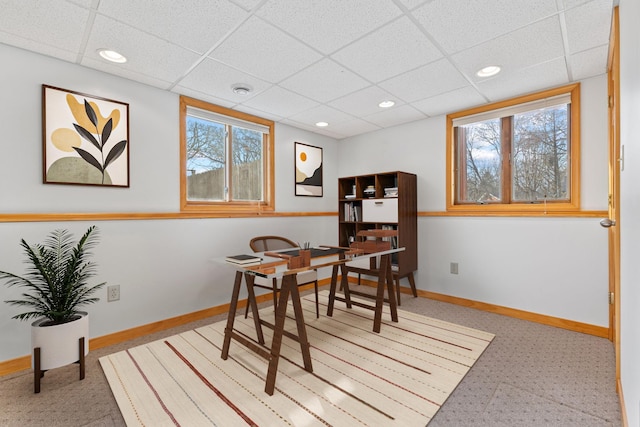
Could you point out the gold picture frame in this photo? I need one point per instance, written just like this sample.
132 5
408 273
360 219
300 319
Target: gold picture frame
85 139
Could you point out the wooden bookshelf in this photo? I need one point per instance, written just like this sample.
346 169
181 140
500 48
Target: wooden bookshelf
382 201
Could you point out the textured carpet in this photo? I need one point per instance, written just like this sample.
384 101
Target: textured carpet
401 376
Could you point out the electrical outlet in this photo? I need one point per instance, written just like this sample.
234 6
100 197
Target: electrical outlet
453 268
113 293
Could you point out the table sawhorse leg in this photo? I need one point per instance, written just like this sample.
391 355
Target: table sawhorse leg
231 316
289 287
333 288
385 279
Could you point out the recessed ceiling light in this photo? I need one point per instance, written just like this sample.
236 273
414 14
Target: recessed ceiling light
112 55
386 104
489 71
241 89
322 124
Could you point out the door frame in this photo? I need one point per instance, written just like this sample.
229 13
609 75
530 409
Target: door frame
615 165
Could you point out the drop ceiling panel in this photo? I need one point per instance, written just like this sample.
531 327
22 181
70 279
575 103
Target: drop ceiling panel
412 4
336 55
542 76
430 80
450 102
582 25
395 116
58 29
258 113
328 25
589 63
260 49
148 56
281 102
460 24
247 4
38 47
208 21
211 76
127 73
514 51
363 102
324 81
321 113
203 96
353 127
405 47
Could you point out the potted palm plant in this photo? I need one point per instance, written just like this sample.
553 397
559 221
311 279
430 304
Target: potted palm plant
56 286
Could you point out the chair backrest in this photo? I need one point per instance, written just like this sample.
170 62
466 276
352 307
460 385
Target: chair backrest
371 241
271 243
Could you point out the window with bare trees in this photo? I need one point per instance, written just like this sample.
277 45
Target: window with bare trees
226 159
517 155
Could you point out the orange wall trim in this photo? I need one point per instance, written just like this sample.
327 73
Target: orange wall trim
585 328
132 216
24 362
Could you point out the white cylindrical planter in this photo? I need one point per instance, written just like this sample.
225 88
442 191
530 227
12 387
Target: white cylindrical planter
59 343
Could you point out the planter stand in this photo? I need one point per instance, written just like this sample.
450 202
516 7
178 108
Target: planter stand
58 345
38 373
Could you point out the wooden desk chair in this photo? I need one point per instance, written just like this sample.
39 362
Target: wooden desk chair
274 243
378 240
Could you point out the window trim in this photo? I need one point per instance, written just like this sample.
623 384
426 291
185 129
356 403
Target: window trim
231 208
518 209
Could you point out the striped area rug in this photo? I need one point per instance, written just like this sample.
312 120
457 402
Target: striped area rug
399 377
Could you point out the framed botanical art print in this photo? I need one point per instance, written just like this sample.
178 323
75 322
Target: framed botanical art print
308 161
85 139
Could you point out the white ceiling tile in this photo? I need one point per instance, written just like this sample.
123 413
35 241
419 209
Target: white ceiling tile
589 63
38 47
319 130
342 57
405 47
260 49
395 116
148 56
207 20
84 3
328 25
583 25
514 51
214 77
364 102
324 81
570 4
280 101
203 96
353 127
247 4
58 28
259 113
459 24
412 4
426 81
128 73
542 76
450 102
321 113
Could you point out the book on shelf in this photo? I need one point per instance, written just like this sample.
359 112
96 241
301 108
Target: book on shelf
352 212
349 196
243 259
391 192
